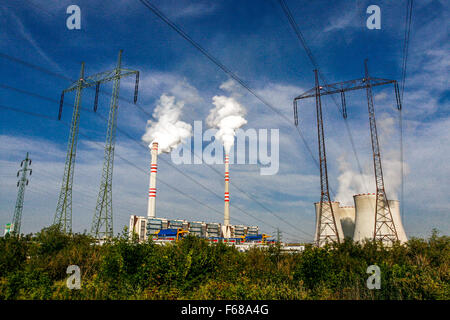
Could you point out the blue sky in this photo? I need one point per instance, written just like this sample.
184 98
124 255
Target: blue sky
254 40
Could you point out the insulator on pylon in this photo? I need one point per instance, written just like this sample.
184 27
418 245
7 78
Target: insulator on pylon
295 113
27 182
17 183
18 174
61 105
136 87
31 172
397 96
344 105
97 89
30 162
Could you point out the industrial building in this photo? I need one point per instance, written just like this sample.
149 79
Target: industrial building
149 228
138 225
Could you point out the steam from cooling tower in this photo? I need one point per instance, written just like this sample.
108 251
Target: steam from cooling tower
227 116
352 182
167 129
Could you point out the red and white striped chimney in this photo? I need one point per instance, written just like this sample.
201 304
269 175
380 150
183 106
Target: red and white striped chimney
226 218
151 211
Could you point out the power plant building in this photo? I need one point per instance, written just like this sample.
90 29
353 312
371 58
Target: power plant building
138 226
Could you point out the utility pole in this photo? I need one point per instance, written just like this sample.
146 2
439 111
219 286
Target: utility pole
23 181
102 224
384 227
327 231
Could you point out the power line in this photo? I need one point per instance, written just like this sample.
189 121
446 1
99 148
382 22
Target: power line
214 60
124 159
313 61
225 69
60 76
177 169
135 166
408 21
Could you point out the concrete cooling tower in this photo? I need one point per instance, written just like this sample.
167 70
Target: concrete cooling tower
394 205
335 206
347 215
365 217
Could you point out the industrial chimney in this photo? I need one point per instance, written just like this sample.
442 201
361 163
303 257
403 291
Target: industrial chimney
335 207
151 211
226 228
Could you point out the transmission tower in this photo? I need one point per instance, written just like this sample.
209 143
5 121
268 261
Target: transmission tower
102 224
384 224
278 234
327 231
384 227
23 181
63 215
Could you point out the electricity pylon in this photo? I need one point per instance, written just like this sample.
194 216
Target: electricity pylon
23 181
63 214
102 224
327 231
384 223
384 226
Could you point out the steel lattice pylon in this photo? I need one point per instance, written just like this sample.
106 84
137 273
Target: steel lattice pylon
384 226
327 231
63 214
17 217
384 229
102 224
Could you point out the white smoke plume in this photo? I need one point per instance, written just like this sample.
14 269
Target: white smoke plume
352 182
167 129
227 116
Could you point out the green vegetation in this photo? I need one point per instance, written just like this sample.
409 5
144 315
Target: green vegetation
34 267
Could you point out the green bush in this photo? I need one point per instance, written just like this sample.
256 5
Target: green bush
34 267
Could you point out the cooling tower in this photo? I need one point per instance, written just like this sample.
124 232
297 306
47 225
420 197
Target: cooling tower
394 205
365 217
151 211
347 215
335 206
